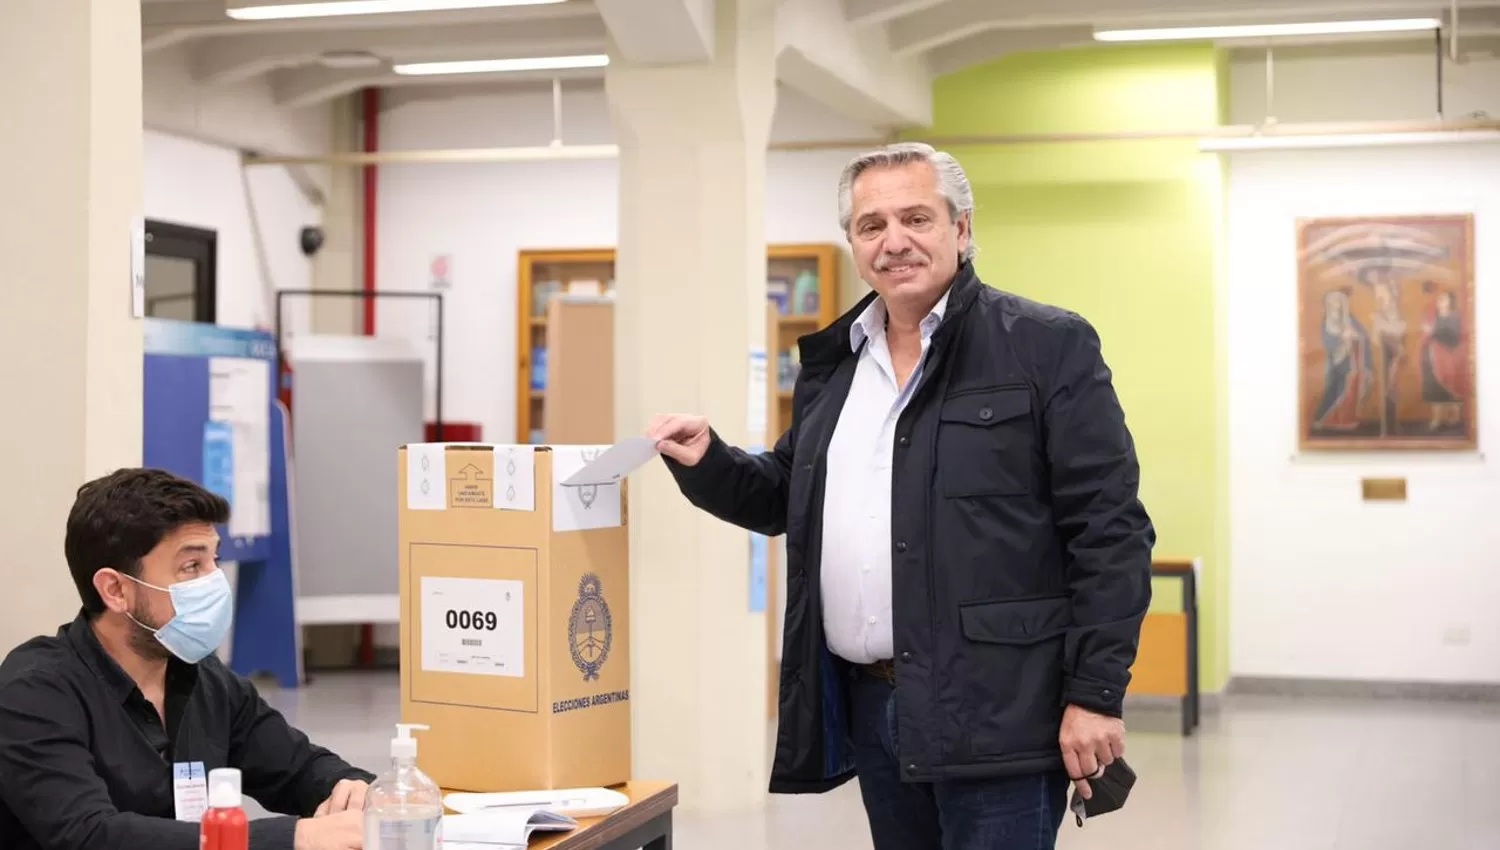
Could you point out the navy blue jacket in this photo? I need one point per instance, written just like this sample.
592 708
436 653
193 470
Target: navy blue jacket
1021 553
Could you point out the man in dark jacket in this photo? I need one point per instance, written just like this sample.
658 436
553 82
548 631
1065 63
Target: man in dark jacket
968 562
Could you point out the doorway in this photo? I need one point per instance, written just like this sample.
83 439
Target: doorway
181 272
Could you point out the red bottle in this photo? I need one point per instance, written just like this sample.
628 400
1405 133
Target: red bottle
224 825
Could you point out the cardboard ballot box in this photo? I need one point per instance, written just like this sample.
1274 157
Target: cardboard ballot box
514 618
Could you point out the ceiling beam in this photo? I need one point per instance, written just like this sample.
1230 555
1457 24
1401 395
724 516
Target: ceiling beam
989 46
850 70
224 59
660 32
186 13
206 18
862 13
296 88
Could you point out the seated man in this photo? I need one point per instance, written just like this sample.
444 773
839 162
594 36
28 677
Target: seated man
96 722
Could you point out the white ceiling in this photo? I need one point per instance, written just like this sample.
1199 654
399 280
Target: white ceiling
871 59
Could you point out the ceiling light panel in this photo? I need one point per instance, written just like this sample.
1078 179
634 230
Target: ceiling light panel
337 8
1270 30
501 66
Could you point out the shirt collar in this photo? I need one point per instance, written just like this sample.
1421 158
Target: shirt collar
871 322
80 633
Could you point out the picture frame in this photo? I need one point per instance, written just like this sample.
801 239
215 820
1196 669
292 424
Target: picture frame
1386 335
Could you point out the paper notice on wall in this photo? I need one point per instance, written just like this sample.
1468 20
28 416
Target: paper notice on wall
759 552
515 478
218 460
239 397
426 477
756 403
584 507
472 625
138 267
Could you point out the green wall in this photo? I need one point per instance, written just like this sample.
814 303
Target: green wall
1127 233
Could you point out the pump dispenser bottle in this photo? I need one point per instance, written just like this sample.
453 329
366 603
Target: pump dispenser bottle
404 808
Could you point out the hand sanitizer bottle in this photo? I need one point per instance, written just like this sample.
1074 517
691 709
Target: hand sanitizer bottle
224 825
404 808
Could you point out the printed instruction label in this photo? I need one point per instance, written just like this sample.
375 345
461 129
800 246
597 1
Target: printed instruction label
473 625
471 488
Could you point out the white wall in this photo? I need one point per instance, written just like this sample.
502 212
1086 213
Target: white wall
257 213
1323 584
483 215
194 177
1344 84
243 114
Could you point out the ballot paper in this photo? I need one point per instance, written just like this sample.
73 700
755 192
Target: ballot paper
500 829
614 463
572 802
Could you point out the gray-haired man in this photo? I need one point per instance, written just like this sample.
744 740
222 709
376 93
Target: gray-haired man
968 561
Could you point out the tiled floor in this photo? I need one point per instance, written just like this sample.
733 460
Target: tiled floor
1262 774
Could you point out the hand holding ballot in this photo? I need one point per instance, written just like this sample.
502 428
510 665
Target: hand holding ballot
681 437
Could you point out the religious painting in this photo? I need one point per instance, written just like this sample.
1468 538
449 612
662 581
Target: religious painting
1386 333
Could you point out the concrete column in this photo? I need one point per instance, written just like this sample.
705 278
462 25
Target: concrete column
70 179
691 274
338 264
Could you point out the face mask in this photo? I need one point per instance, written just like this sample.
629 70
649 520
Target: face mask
205 609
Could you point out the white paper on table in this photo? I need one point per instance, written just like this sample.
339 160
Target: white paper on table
515 478
581 508
499 828
573 802
239 394
427 477
614 463
473 625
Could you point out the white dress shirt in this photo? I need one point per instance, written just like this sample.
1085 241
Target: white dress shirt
856 558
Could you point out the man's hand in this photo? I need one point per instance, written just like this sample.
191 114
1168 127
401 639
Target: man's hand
1089 742
342 831
680 437
348 794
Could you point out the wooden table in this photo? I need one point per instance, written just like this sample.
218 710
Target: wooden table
645 823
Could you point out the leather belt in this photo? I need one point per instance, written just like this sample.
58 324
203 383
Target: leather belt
884 670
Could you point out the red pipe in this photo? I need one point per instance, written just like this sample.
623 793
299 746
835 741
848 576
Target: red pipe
372 144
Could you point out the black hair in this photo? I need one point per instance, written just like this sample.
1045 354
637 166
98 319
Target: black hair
118 519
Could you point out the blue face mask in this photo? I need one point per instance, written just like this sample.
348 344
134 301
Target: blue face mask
205 610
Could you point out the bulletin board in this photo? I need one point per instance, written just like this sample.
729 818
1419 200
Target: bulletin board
211 416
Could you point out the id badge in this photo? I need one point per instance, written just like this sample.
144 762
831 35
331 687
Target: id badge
189 790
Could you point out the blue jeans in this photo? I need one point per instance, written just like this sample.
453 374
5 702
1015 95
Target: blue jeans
1011 813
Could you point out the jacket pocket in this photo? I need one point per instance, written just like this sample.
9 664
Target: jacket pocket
1010 665
985 443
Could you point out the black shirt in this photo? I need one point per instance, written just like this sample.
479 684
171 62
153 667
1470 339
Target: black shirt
85 763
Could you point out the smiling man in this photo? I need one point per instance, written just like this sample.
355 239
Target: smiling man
968 559
108 730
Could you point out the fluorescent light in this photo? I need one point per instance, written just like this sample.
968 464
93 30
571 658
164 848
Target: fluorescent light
498 66
1358 140
367 7
1270 30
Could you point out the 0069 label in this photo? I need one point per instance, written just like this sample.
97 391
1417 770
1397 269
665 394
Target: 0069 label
472 625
